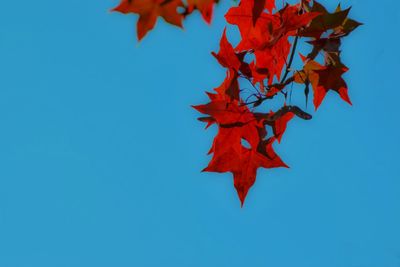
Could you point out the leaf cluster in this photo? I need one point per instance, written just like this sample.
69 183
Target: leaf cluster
263 57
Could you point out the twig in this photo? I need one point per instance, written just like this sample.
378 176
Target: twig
296 39
261 99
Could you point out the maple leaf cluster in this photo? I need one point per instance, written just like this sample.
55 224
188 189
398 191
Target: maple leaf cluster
263 57
172 11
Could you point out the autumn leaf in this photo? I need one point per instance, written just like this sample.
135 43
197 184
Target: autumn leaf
346 27
205 7
325 21
237 123
226 55
330 78
323 79
149 11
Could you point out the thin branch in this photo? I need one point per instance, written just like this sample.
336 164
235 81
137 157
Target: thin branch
261 99
248 79
296 39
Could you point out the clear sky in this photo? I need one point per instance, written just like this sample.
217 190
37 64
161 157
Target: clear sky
100 152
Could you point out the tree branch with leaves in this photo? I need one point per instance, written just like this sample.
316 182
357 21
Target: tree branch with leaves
264 58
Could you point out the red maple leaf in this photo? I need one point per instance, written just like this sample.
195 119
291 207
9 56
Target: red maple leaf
326 21
330 78
237 123
204 6
149 11
226 55
243 164
323 79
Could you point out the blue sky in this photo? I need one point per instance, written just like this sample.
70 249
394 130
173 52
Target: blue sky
101 153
